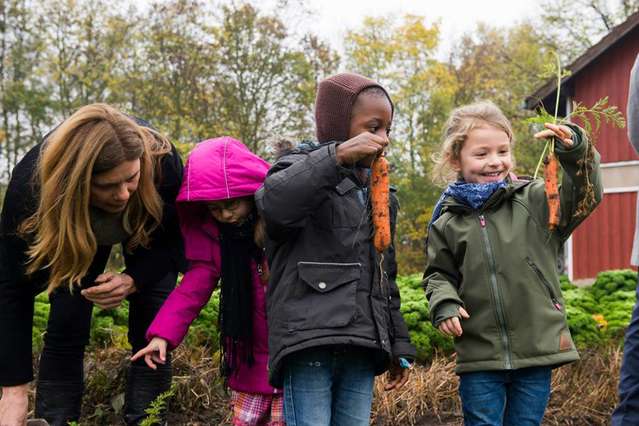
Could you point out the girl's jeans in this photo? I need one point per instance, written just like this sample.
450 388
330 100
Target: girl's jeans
505 397
329 386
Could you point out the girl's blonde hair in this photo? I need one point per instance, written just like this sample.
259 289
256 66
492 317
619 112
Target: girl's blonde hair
95 139
461 122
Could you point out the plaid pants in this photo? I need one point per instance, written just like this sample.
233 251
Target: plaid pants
252 409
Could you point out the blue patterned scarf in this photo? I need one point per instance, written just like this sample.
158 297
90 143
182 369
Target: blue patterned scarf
474 195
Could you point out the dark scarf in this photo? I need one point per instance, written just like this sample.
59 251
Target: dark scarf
237 248
474 195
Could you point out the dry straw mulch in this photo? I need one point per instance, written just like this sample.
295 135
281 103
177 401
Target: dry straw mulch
583 393
429 397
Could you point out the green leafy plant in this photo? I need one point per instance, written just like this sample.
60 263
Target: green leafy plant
600 313
158 407
596 315
426 338
110 327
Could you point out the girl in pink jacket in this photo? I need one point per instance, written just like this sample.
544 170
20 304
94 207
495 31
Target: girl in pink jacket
223 238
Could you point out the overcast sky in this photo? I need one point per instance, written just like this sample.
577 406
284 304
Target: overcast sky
334 17
331 19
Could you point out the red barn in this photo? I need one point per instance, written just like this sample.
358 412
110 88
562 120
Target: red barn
604 240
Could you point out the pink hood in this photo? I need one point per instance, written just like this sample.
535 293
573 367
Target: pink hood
216 169
219 169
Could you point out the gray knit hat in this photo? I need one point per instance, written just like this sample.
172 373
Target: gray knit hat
336 96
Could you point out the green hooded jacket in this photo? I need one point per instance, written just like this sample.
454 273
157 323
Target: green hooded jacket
500 264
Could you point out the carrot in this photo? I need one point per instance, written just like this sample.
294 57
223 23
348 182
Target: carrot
380 204
551 178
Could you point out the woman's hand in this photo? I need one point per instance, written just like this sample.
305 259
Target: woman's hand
13 405
558 131
154 352
110 291
452 326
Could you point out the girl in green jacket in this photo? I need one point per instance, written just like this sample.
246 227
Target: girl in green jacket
491 276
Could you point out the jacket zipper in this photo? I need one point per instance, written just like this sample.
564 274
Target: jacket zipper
498 300
545 283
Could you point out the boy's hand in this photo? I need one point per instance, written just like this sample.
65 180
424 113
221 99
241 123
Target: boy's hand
558 131
365 146
111 290
154 351
397 375
452 326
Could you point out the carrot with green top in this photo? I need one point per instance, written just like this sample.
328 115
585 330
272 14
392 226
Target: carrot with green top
563 134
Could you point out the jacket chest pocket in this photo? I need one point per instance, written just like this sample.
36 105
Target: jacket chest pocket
348 205
325 295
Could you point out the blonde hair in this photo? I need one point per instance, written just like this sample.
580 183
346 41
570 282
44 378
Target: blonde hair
95 139
461 122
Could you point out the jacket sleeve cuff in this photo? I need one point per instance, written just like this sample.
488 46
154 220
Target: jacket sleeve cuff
171 342
444 311
136 275
578 146
403 348
330 155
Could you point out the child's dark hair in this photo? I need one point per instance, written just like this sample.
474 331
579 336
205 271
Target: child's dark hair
374 91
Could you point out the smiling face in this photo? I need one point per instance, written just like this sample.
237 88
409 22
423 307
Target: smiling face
111 190
233 211
485 156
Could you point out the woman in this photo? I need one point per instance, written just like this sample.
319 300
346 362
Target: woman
100 178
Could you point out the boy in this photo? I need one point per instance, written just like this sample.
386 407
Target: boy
333 305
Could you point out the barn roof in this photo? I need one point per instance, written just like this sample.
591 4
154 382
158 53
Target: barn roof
616 34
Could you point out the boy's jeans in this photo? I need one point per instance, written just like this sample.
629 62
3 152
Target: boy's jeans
329 385
505 397
627 412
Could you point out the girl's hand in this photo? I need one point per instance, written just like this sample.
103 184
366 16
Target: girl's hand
154 352
559 131
14 405
397 375
452 326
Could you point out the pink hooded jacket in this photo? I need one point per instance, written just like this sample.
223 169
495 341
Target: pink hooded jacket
217 169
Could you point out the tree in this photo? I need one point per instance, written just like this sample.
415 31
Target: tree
572 26
86 42
24 104
262 79
320 62
170 78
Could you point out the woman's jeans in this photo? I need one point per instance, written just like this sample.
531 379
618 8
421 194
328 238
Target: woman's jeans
627 412
505 397
329 386
61 373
